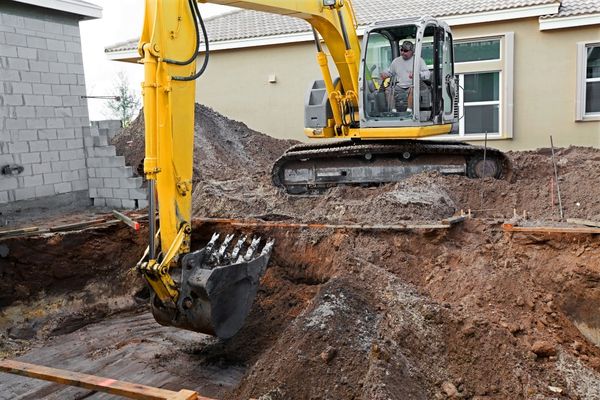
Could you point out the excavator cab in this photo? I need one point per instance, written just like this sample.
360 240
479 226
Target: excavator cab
389 96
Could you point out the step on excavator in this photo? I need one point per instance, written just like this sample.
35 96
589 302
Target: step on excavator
380 112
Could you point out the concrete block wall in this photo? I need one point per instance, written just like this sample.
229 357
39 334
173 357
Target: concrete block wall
42 114
111 182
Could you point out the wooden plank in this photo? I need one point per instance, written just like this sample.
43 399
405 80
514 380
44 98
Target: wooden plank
128 221
76 225
91 382
585 222
12 232
548 229
293 225
454 220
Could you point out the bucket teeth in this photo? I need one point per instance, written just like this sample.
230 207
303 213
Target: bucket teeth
218 254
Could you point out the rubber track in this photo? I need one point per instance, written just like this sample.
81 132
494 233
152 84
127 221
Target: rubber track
394 148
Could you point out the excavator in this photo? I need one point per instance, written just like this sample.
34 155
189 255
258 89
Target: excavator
211 290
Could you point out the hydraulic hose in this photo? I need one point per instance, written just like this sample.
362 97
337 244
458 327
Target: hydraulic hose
196 13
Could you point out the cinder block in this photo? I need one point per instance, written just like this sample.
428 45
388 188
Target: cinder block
138 194
70 176
24 135
42 88
67 155
50 156
50 78
32 100
26 52
22 87
13 20
32 181
68 79
131 183
105 192
111 183
36 42
38 145
99 202
75 143
116 161
94 162
16 39
77 164
53 101
31 77
34 24
60 90
107 151
122 172
71 101
18 147
73 47
55 123
30 158
75 68
53 27
91 172
80 184
77 90
142 204
67 133
56 45
83 173
60 166
44 190
96 183
13 99
57 67
39 66
25 112
36 123
42 168
58 144
100 141
9 76
4 197
103 172
8 51
93 192
121 193
71 30
129 204
19 64
46 55
64 187
8 182
88 141
52 178
114 203
45 112
24 193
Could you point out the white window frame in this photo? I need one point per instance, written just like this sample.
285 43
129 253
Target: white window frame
461 108
582 80
505 66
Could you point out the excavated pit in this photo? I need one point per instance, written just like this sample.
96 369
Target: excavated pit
468 312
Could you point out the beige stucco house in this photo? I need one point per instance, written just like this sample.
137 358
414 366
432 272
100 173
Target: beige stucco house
534 65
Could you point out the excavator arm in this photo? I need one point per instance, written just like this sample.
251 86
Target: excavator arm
211 290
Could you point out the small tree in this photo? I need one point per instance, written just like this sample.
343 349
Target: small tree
126 102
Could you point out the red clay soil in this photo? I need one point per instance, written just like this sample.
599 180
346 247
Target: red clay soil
469 312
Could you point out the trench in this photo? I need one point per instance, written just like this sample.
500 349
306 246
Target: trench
339 314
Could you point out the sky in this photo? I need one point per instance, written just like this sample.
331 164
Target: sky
121 20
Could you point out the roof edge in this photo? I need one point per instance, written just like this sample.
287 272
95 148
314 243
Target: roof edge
569 22
87 10
452 20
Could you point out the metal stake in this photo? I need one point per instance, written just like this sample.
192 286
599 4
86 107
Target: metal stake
484 165
556 179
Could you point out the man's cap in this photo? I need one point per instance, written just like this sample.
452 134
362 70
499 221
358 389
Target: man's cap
407 45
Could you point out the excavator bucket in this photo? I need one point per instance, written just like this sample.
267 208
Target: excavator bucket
217 286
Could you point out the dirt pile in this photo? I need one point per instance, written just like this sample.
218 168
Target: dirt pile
232 178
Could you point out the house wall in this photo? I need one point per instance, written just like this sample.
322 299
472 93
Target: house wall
544 80
44 124
42 114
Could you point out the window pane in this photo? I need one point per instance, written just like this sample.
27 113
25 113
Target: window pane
482 87
482 119
477 51
593 62
592 97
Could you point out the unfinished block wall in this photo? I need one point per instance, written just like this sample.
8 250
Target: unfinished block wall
42 114
49 152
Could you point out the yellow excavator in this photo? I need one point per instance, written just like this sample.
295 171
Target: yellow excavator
211 290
